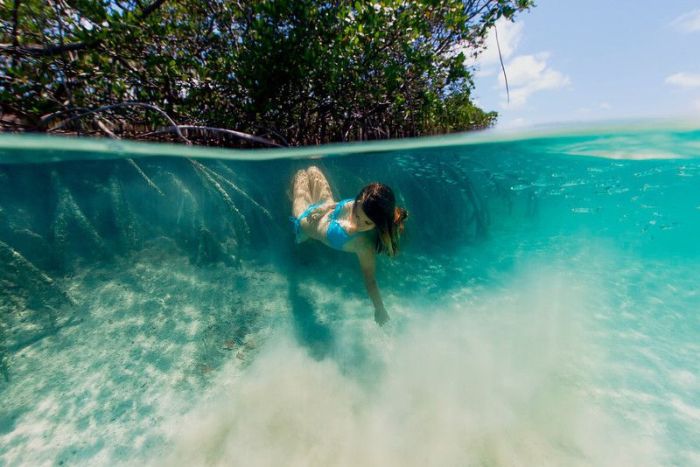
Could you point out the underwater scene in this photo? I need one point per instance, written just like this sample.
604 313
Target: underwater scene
545 305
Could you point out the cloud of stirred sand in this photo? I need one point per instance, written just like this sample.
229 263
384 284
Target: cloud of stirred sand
498 378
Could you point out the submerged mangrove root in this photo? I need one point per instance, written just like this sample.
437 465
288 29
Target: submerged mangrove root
239 190
203 247
480 215
19 272
129 160
67 210
123 216
4 366
52 331
210 179
26 291
189 196
143 175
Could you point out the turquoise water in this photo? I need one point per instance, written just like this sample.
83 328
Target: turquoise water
545 307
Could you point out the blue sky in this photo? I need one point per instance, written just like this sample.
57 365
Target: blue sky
569 60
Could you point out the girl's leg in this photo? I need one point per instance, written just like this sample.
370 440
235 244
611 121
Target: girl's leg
301 193
319 187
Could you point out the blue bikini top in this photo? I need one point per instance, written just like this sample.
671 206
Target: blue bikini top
336 235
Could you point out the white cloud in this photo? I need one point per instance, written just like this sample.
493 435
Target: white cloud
688 22
605 106
684 80
528 74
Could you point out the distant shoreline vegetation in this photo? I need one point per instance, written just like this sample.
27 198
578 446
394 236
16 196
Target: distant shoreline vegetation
282 72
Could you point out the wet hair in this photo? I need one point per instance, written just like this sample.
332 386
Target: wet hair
379 204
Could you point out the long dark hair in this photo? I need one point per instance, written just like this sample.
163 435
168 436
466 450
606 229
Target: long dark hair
378 202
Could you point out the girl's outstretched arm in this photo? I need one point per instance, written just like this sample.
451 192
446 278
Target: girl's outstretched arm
367 259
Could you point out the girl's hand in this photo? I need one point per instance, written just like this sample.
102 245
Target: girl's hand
381 316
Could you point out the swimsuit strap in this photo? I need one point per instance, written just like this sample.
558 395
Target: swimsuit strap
339 207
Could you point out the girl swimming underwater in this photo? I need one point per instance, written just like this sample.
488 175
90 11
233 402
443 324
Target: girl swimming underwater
367 225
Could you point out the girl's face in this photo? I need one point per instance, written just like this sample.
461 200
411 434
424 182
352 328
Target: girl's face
362 222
